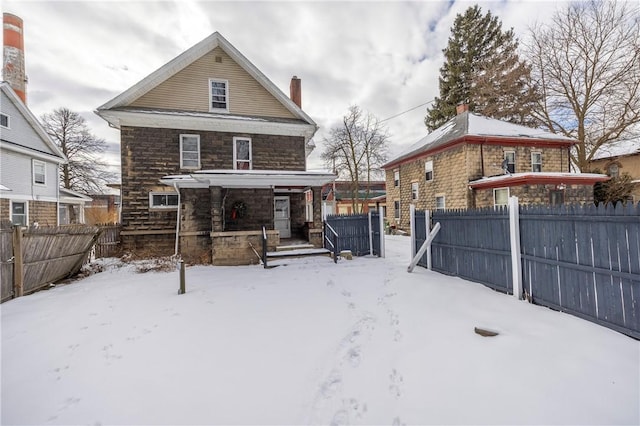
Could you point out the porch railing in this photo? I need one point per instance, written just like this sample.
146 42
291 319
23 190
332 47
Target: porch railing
331 239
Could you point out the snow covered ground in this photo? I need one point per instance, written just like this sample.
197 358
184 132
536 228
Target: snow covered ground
361 342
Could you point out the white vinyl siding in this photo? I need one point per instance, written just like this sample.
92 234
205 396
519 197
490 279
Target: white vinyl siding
189 151
39 172
242 153
249 96
163 200
16 173
218 95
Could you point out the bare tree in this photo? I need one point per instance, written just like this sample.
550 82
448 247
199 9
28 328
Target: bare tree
84 171
356 149
586 60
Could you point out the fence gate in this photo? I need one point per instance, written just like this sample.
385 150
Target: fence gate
353 232
108 243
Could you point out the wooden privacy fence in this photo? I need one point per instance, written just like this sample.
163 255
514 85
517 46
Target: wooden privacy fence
108 243
359 233
584 260
41 256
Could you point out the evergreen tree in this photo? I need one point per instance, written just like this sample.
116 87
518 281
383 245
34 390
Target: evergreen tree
482 69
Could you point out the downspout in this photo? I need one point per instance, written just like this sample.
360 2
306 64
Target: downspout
482 157
175 186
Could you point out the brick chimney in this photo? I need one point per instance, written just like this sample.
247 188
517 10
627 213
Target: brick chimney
13 55
461 107
295 90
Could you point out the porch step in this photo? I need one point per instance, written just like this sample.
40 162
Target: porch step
294 247
298 252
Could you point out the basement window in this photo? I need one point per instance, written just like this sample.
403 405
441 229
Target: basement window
163 200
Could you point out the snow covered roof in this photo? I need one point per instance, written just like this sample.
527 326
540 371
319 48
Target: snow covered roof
467 126
516 179
248 179
618 149
72 197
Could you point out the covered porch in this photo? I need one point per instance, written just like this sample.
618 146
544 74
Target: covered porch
222 212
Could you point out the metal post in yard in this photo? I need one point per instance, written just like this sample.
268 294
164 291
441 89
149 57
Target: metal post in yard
182 283
514 233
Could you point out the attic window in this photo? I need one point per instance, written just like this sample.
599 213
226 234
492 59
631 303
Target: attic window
4 121
219 59
218 95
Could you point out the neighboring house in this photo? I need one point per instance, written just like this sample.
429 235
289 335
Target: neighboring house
72 207
618 158
29 169
339 198
212 151
104 208
474 161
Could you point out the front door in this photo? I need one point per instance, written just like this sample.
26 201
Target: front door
282 216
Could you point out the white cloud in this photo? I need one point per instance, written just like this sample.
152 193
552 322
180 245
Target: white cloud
383 56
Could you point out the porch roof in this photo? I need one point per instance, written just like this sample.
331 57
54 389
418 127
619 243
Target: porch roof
517 179
248 179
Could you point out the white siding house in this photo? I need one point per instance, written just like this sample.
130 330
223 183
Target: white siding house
29 164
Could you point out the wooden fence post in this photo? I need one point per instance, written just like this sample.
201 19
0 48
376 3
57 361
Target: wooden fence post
514 235
18 265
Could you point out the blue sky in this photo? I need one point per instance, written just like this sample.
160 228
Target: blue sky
383 56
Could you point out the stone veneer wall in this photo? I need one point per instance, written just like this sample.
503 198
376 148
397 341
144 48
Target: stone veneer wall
538 194
233 248
454 168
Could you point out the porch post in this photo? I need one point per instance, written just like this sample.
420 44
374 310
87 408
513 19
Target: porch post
216 208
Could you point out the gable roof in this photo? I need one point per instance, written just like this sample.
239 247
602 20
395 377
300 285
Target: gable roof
215 40
54 154
475 128
618 149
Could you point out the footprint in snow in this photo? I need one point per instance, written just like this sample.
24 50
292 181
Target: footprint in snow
331 385
395 387
330 283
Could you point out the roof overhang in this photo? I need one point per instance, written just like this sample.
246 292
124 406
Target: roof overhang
248 179
478 140
33 153
518 179
68 196
204 122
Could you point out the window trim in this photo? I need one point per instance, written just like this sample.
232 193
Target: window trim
415 191
495 204
26 211
235 152
153 206
533 164
396 210
8 126
182 137
514 160
608 169
444 202
428 170
34 163
226 95
396 178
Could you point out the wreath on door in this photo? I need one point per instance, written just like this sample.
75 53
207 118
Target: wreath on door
238 210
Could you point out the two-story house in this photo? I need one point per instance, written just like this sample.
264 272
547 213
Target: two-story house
29 170
474 161
212 151
618 158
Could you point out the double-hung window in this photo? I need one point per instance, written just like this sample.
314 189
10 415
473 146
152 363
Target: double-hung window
500 196
440 202
19 213
218 95
396 209
396 178
428 170
163 200
509 164
39 172
189 151
242 153
414 190
536 162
